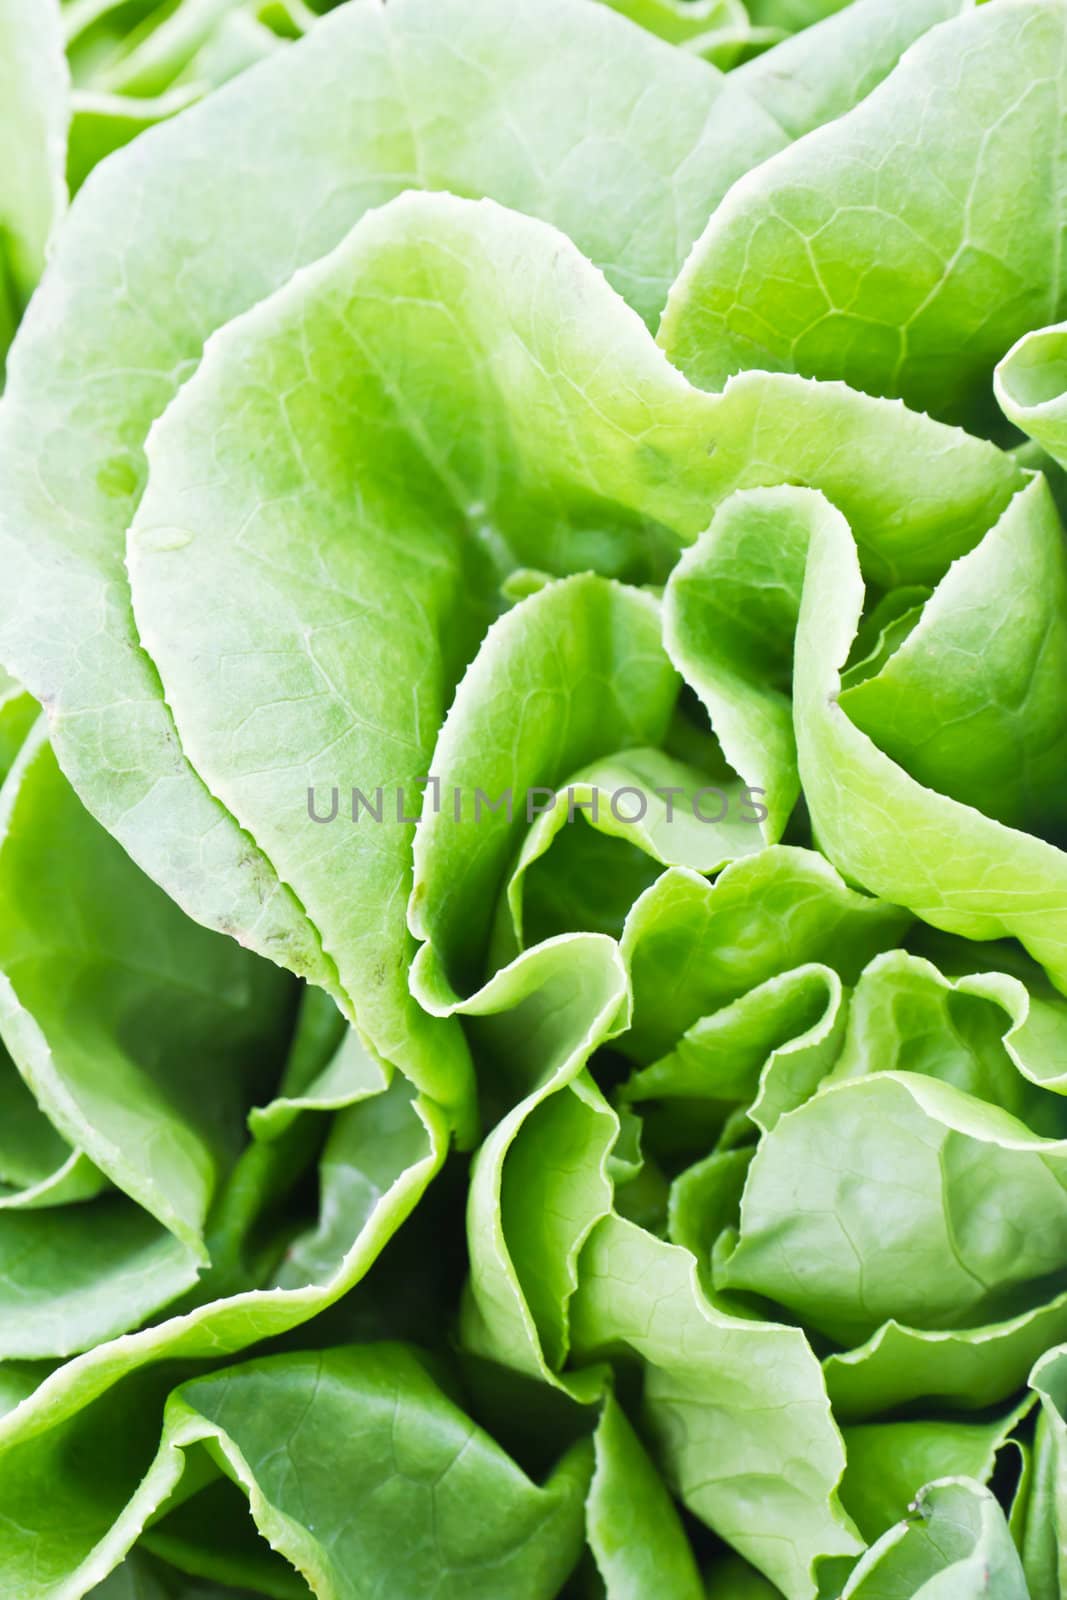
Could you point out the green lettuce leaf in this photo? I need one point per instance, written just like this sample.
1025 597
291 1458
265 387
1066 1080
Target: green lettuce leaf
679 22
956 867
564 879
92 953
34 115
694 946
92 957
793 14
131 71
634 1530
1046 1513
1031 386
961 1370
366 1420
830 67
731 607
569 676
955 1542
905 246
890 1462
897 1195
538 1021
736 1408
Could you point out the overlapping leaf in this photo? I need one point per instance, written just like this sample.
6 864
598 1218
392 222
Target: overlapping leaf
343 483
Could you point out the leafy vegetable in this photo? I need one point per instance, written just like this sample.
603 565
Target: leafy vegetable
533 798
899 236
81 78
33 120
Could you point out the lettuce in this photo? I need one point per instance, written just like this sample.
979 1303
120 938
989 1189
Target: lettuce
533 800
80 78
